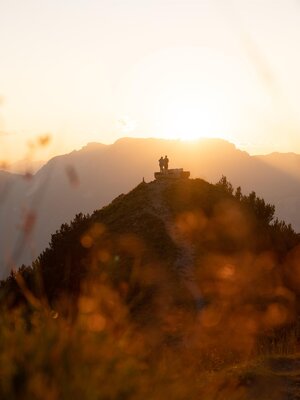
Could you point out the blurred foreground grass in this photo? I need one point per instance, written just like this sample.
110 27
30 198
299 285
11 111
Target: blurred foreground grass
104 354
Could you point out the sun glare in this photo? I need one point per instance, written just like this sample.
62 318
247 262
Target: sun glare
186 95
192 122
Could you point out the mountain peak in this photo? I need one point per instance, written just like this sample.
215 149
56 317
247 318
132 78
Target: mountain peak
93 146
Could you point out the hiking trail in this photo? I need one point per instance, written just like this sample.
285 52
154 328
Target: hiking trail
185 260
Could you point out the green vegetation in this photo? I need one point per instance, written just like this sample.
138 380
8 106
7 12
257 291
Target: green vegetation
105 313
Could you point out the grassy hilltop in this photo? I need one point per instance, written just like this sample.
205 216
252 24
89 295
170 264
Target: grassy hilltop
183 289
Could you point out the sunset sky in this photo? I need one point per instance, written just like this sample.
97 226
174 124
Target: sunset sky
97 70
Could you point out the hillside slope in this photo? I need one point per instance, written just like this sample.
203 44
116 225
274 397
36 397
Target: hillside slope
203 237
173 286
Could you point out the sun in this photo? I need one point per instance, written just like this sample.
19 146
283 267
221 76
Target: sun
192 120
188 93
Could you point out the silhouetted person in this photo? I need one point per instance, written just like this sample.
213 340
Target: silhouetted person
166 163
161 164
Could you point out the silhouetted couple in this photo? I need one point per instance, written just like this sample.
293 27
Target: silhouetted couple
163 164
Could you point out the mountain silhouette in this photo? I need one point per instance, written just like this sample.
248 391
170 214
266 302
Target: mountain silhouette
33 207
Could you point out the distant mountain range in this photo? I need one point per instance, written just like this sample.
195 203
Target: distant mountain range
34 207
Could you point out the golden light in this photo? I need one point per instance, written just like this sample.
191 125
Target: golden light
191 121
190 92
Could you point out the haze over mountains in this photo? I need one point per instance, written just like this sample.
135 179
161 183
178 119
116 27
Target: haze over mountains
32 208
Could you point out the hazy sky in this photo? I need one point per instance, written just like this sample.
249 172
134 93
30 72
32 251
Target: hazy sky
87 70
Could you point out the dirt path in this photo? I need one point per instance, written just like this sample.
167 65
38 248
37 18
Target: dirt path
185 259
